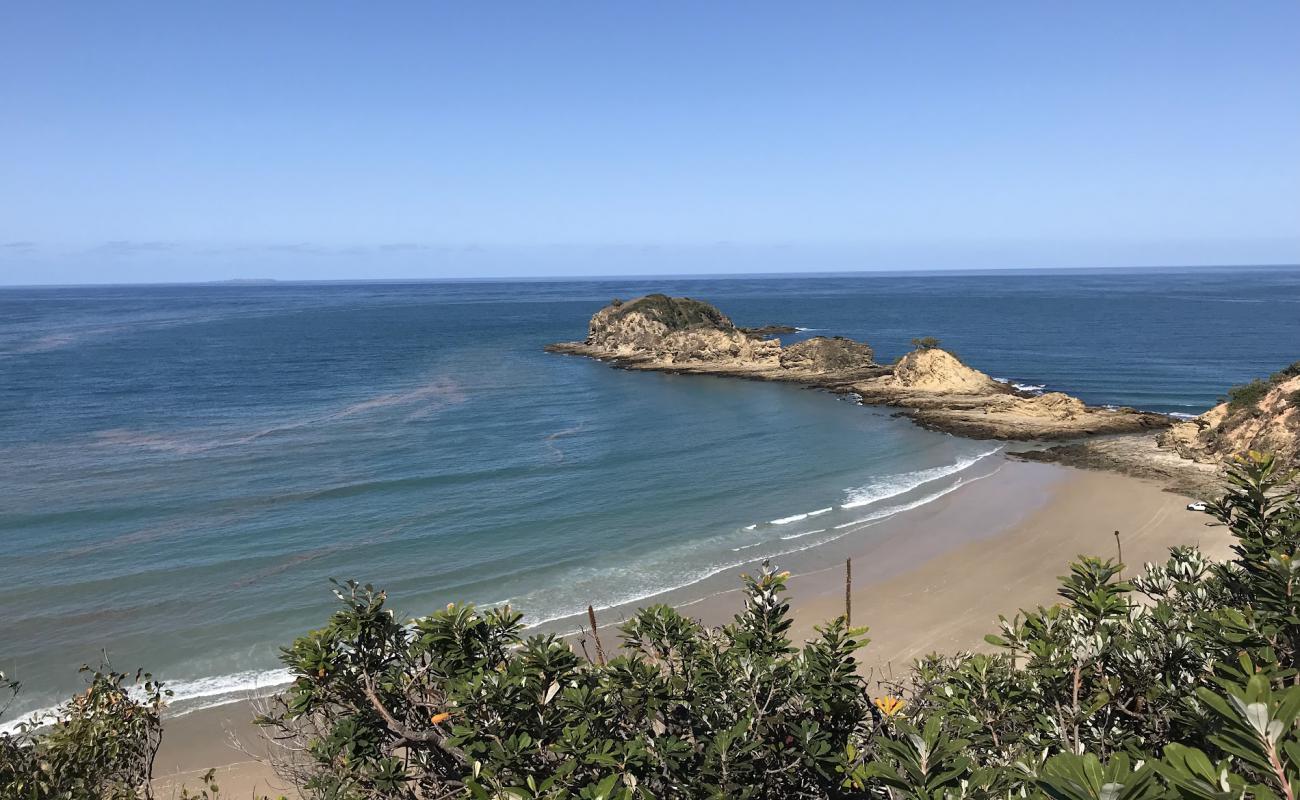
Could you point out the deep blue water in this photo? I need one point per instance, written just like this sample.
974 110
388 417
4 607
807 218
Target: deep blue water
182 469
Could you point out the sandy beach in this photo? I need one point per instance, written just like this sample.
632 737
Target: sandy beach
934 580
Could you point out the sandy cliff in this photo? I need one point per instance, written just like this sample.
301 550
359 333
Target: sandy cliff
1263 415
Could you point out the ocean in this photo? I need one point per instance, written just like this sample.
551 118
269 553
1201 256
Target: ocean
183 469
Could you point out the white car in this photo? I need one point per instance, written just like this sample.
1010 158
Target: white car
1199 505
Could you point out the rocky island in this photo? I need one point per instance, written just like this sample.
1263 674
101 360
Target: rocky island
929 385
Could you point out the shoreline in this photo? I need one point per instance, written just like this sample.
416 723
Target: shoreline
932 578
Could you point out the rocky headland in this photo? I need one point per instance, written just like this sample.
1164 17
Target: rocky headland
1262 415
1189 456
929 385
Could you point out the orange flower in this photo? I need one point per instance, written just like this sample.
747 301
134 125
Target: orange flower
889 706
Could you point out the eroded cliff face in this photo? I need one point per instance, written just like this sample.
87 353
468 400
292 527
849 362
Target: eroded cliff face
1269 422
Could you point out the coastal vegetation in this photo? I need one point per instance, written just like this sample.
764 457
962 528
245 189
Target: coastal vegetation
675 313
1247 396
1181 680
1259 415
99 744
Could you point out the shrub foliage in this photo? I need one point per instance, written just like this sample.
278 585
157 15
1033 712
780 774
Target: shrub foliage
1246 396
99 744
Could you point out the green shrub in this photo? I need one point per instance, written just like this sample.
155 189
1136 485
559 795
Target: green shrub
99 744
677 313
682 711
1285 374
926 343
1247 395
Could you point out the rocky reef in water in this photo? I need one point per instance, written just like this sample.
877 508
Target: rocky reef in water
929 385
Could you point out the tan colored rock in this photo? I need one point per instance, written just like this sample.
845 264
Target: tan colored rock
1055 405
935 370
675 330
828 354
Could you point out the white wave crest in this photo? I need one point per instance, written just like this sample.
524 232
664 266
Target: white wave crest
806 515
889 486
190 695
802 534
226 688
1032 388
707 571
929 498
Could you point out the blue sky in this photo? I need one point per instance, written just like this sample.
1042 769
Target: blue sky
205 141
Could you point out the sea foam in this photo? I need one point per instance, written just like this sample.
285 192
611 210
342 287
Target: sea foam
888 486
806 515
191 695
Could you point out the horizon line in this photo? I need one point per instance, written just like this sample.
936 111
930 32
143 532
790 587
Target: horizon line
915 271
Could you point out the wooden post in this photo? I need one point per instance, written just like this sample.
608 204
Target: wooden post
1119 551
600 651
848 592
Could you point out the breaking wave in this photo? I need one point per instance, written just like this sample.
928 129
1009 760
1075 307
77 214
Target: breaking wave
193 695
623 575
800 517
889 486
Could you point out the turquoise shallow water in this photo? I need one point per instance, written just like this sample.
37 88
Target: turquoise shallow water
182 469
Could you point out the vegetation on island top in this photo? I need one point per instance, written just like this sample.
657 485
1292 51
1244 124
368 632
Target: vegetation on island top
676 313
926 343
1181 682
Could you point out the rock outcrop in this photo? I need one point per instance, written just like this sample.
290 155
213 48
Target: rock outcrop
929 385
828 354
933 370
941 392
679 334
675 330
1262 415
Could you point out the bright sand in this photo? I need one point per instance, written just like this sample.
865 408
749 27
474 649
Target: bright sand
933 579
